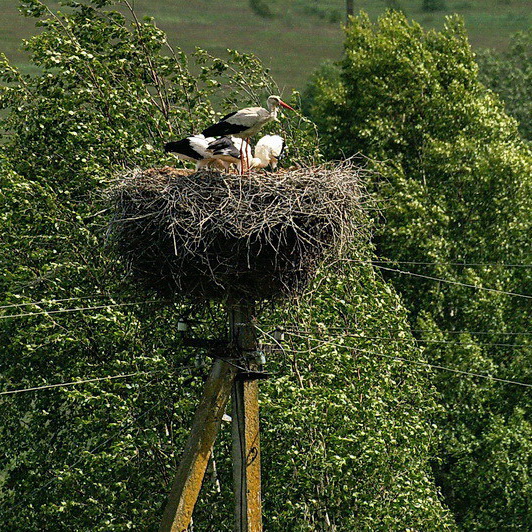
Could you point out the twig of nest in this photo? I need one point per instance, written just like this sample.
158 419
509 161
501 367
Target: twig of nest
210 235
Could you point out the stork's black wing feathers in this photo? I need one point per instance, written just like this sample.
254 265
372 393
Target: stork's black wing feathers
221 143
183 147
228 116
223 128
224 146
283 151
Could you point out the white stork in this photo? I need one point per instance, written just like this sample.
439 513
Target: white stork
268 151
194 149
246 122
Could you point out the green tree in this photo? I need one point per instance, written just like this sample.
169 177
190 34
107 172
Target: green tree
347 433
455 183
509 74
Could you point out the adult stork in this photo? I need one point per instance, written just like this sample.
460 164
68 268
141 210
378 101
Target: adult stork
268 150
246 122
194 149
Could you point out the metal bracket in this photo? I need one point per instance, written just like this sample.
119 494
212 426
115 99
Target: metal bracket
252 375
206 343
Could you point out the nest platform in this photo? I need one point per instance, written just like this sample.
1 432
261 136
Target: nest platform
214 236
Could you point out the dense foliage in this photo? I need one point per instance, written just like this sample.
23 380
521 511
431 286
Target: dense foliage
457 179
509 74
348 432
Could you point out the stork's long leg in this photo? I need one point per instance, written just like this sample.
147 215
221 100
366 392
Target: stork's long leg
241 158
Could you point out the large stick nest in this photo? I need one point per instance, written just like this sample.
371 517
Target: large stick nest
208 235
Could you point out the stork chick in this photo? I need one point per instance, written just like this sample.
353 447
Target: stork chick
268 151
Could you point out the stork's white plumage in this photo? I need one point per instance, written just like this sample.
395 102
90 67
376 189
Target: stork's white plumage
194 149
268 151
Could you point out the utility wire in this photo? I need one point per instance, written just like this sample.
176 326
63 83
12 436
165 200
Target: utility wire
92 451
495 290
99 446
78 309
443 263
428 331
49 301
53 301
413 339
111 377
374 262
73 383
417 362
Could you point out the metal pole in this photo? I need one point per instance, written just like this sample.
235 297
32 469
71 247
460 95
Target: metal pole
245 415
187 484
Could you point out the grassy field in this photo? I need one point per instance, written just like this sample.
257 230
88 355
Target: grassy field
293 45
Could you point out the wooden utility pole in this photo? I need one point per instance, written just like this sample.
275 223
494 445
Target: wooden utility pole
245 419
225 378
195 458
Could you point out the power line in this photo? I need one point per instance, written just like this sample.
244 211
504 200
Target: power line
97 379
73 383
372 262
100 445
53 301
512 333
428 331
495 290
442 263
78 309
413 339
90 452
417 362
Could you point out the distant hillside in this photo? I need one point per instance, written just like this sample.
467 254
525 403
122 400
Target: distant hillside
294 43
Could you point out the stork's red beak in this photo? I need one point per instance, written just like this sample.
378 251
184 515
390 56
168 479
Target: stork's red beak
286 105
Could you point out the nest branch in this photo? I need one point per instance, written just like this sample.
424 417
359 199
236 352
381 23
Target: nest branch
207 235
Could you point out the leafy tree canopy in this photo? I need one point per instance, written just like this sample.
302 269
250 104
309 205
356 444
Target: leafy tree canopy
456 179
509 74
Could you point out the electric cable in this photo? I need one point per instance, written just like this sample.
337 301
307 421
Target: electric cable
53 301
77 309
418 362
448 281
444 263
73 383
428 331
413 339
